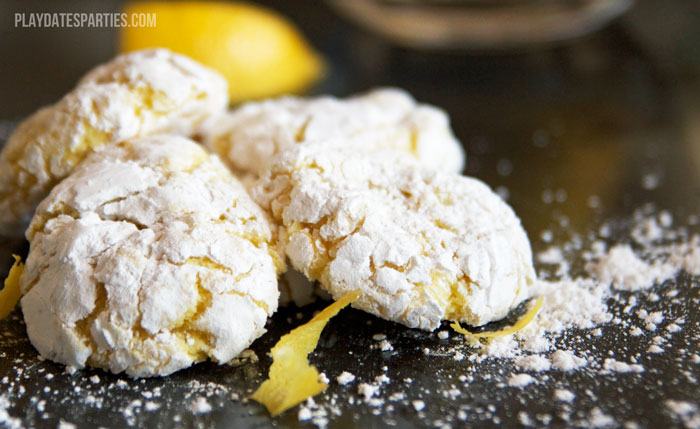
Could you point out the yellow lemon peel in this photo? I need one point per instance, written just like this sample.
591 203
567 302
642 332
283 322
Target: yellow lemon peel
520 324
292 379
10 294
260 52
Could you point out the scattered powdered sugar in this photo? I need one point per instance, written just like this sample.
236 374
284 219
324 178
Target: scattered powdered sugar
571 303
533 363
6 419
566 360
418 405
583 301
599 419
520 380
367 390
386 346
564 395
596 303
200 406
616 366
345 378
622 268
686 412
62 424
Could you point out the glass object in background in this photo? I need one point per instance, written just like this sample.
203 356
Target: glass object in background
481 24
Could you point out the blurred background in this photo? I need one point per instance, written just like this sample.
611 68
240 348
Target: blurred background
577 104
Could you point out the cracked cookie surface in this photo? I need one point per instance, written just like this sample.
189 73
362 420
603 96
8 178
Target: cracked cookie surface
249 137
422 246
149 257
134 95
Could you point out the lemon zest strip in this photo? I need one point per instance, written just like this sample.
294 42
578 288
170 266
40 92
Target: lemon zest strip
291 378
10 294
520 324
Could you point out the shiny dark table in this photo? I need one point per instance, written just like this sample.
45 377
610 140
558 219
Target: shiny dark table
593 117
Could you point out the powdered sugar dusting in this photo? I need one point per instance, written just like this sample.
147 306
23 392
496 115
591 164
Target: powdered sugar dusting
589 339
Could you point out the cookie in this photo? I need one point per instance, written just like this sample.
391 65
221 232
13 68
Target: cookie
422 245
149 257
249 137
136 94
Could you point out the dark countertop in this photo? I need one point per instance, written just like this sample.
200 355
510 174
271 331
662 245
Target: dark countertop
594 117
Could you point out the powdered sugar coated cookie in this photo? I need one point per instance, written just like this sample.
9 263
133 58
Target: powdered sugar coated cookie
135 94
149 257
249 137
423 246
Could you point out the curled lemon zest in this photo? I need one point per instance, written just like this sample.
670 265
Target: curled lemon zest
292 379
10 294
520 324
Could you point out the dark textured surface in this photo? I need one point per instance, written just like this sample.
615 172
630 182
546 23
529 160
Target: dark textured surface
592 118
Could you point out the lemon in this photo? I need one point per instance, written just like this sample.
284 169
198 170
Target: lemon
260 53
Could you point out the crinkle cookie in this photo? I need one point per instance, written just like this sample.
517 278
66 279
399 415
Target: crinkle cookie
421 245
136 94
149 257
249 137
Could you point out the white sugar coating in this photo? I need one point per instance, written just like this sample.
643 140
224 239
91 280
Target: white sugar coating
249 137
136 94
520 380
564 395
421 245
533 363
565 360
149 257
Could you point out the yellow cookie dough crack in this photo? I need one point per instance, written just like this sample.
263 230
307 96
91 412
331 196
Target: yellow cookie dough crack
206 262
